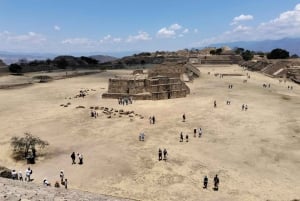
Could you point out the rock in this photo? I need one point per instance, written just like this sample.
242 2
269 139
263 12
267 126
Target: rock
109 116
80 106
91 108
65 105
5 172
97 108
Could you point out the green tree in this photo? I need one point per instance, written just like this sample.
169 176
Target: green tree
62 63
239 50
213 52
278 54
22 146
15 68
219 51
247 55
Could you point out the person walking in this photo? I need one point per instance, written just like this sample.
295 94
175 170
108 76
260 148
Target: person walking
20 176
215 104
195 132
183 117
61 175
80 157
159 154
165 154
73 156
181 137
205 182
216 182
28 174
66 184
186 137
200 132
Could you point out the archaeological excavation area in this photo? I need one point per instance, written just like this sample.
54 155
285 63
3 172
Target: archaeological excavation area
255 152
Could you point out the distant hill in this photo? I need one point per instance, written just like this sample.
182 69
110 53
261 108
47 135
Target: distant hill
103 58
11 57
290 44
2 63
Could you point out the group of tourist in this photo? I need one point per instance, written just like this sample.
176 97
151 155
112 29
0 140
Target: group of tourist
160 154
216 182
125 100
94 114
244 107
199 132
19 176
290 87
186 137
230 86
80 158
63 181
266 85
152 119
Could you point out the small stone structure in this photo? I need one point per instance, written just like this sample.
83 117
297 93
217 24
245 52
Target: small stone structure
164 81
154 88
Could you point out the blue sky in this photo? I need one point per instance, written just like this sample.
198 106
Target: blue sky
68 26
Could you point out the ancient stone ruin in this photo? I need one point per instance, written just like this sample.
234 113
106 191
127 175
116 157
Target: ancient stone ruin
162 82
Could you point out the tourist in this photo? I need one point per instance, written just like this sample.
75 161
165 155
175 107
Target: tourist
150 120
46 182
216 182
20 176
142 136
243 107
73 156
153 119
200 132
195 132
215 104
56 185
186 137
61 175
183 117
165 154
181 137
246 107
80 157
28 174
205 182
66 183
291 87
159 154
14 175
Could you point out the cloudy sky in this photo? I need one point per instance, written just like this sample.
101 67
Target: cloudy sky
68 26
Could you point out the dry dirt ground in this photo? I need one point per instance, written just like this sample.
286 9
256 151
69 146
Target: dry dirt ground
256 153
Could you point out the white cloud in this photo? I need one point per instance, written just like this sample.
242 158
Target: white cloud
240 18
77 41
175 27
109 39
195 30
56 28
165 33
171 31
287 24
29 38
185 31
141 36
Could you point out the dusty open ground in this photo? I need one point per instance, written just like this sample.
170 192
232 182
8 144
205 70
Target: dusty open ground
255 153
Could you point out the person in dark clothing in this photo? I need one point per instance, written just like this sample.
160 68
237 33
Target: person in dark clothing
186 137
215 104
195 132
73 156
159 154
153 119
165 154
183 117
181 137
205 182
216 182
